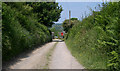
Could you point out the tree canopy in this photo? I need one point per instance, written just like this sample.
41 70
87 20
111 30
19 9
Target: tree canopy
66 24
47 12
25 24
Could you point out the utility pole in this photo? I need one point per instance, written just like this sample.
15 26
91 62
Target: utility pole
69 17
85 14
82 16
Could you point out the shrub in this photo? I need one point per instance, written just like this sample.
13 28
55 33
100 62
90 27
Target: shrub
20 31
98 34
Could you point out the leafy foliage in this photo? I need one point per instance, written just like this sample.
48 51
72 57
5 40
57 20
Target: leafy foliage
21 27
47 12
0 18
57 29
98 36
66 24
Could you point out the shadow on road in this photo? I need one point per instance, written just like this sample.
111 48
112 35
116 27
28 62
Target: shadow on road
25 54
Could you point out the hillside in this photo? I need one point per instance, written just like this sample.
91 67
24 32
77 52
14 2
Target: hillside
58 26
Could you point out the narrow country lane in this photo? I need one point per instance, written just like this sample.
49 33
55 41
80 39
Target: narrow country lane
34 60
53 55
62 58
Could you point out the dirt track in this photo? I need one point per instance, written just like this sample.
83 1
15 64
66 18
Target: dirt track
34 60
60 58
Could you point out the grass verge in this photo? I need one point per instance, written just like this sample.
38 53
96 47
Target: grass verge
84 48
48 56
89 59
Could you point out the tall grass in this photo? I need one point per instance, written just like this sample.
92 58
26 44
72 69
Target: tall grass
84 46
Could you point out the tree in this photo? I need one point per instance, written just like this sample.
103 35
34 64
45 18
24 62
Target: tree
47 12
66 24
21 29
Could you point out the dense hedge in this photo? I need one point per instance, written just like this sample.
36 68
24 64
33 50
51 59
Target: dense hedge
21 30
96 40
